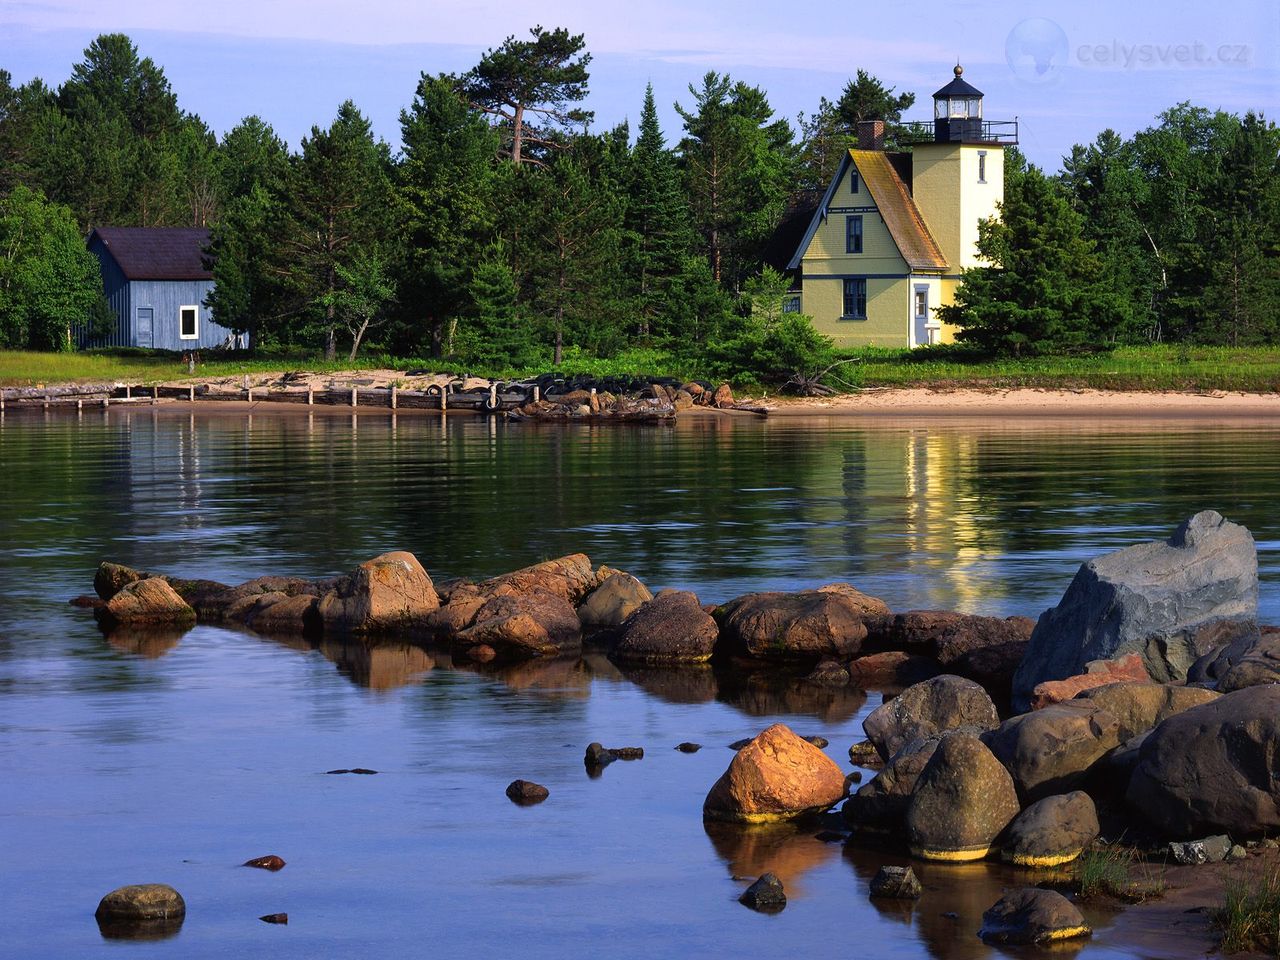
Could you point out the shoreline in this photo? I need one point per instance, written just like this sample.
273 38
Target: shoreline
1032 402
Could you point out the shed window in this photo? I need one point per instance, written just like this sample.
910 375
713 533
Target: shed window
855 299
853 235
189 323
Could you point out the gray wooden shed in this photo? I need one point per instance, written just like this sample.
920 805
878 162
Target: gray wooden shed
156 281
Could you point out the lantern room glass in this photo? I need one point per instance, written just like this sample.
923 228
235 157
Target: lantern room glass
957 108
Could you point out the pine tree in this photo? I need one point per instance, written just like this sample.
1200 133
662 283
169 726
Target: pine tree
1042 291
495 332
658 236
447 192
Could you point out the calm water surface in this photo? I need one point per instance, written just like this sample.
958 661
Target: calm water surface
133 759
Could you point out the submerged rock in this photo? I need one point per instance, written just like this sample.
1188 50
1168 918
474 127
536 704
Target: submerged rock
766 894
940 704
688 747
141 909
269 862
280 918
1212 769
1051 831
1157 599
777 776
526 792
895 883
962 801
1032 916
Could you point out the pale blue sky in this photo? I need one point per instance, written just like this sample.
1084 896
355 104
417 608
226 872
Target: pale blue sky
1065 70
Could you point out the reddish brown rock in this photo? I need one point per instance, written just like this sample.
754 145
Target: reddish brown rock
276 613
723 397
777 776
670 628
526 792
1051 751
1098 673
389 593
947 635
456 615
111 578
893 668
88 602
151 602
809 625
524 626
269 862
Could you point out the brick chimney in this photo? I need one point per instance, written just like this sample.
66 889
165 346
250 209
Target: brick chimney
870 134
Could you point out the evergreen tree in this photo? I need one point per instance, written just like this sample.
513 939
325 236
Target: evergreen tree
542 77
495 331
1043 290
447 192
738 166
337 212
866 98
658 234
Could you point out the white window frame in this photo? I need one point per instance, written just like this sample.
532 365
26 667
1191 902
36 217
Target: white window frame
195 308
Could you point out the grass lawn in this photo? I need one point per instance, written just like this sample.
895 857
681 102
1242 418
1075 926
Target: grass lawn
1155 367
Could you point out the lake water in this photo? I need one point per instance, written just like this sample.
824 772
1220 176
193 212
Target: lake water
173 759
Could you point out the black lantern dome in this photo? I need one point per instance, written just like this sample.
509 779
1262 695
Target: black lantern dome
957 111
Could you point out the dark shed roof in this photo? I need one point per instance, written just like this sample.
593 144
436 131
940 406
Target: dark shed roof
958 87
157 253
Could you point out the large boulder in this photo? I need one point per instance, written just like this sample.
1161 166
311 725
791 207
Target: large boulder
1097 673
947 635
389 593
618 597
670 628
1232 647
809 625
880 805
1052 750
777 776
149 602
110 578
1213 769
1158 599
279 613
932 706
1032 916
1051 831
524 626
962 801
1139 706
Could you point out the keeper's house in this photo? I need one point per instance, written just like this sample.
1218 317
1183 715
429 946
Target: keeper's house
887 243
156 281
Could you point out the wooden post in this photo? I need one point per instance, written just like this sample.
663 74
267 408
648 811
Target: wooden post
155 395
249 394
105 401
128 392
353 396
311 398
191 394
79 406
444 399
46 401
493 397
393 396
537 393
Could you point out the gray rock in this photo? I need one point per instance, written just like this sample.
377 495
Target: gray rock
1032 915
895 883
1159 599
1196 852
619 596
1051 831
961 803
1212 769
765 895
1258 662
934 706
